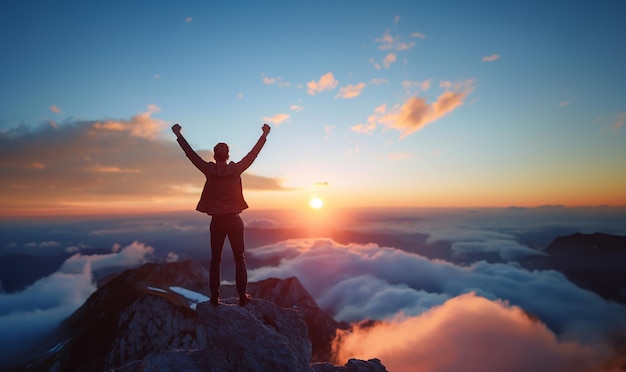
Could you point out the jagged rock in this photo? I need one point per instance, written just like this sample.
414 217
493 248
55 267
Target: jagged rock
258 337
353 365
144 320
290 293
265 336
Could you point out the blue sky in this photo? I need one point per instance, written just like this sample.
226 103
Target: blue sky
418 103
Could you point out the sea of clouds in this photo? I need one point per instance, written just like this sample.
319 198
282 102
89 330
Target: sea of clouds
428 313
435 315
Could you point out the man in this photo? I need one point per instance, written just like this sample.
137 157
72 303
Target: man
222 199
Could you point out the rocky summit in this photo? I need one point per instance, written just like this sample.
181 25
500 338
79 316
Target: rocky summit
258 337
158 318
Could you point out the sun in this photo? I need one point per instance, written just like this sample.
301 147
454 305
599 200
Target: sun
316 203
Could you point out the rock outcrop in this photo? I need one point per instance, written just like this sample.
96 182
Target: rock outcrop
289 293
258 337
158 318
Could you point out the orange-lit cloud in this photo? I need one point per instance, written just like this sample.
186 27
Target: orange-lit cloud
491 58
426 311
375 64
378 81
404 46
276 119
328 131
421 86
415 113
386 41
372 121
621 120
296 108
55 109
395 156
274 80
140 125
100 163
326 82
113 169
350 91
389 59
467 333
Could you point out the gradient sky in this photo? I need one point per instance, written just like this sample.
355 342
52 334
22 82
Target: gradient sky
372 103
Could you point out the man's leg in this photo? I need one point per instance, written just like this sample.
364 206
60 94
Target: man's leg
218 236
236 238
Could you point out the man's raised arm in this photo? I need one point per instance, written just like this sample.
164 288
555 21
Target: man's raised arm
192 155
249 158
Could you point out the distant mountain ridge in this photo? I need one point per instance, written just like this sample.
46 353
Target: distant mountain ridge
596 262
140 321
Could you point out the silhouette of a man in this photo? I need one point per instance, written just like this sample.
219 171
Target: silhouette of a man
222 199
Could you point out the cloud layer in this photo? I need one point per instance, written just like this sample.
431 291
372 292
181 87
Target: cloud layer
111 162
466 333
28 315
355 282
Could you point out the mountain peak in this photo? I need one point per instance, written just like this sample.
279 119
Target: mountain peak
157 318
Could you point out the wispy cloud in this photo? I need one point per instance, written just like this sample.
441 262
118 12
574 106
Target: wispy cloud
421 86
113 169
404 46
326 82
45 244
188 20
386 41
396 156
621 120
372 121
491 58
328 131
55 109
276 119
389 59
378 81
418 35
278 81
350 91
296 108
375 64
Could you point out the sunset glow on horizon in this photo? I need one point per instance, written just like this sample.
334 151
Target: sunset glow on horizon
429 105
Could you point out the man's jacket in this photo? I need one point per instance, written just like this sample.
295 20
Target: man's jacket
222 192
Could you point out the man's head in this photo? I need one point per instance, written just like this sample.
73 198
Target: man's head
220 152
